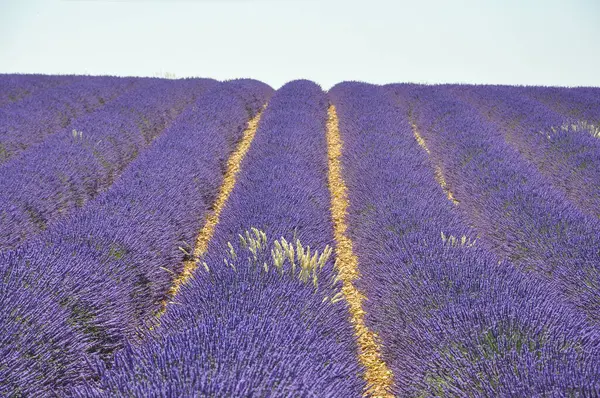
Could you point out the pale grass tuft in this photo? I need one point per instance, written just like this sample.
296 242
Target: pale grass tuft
77 134
281 252
165 75
454 241
580 125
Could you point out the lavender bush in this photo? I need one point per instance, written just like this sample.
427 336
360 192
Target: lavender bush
567 158
581 104
513 207
100 273
75 165
247 327
473 215
14 88
453 319
29 122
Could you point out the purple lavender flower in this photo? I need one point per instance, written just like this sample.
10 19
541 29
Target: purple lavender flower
14 88
514 208
68 169
101 272
453 319
554 144
246 327
26 123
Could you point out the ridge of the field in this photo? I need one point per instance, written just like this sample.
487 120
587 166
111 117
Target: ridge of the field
379 377
73 166
208 229
203 238
521 215
263 315
547 139
75 294
453 319
15 87
28 122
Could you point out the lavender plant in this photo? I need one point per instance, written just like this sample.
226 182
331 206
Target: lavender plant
83 160
102 272
14 88
580 104
513 207
243 328
453 319
564 154
473 215
26 123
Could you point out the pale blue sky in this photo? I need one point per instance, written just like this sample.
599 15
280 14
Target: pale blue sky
548 42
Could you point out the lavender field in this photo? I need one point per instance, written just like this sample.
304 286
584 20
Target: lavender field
198 238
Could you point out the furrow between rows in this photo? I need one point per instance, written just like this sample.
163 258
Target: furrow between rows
378 376
439 174
207 231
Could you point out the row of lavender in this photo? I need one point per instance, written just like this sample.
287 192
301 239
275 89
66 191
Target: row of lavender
567 158
28 122
14 88
581 104
75 164
520 215
81 289
454 320
253 325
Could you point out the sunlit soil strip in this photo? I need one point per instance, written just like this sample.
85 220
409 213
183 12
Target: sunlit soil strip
378 376
207 231
439 176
